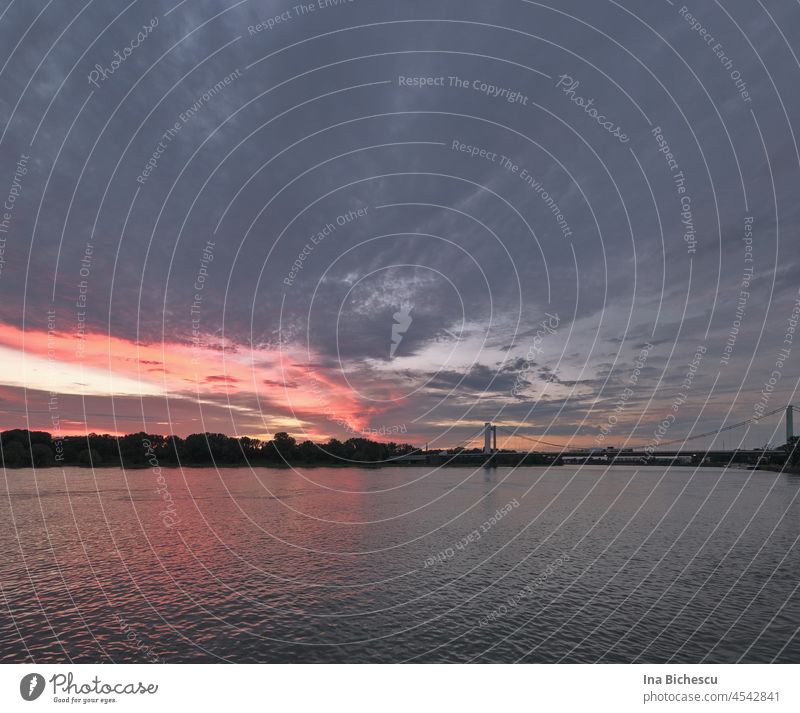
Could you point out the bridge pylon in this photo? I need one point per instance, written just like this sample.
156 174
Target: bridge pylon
489 438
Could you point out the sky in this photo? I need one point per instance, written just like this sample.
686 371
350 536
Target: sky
578 219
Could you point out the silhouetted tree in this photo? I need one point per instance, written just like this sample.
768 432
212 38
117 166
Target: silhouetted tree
15 455
90 457
308 451
21 449
42 455
285 445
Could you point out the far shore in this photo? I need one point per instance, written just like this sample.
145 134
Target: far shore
792 470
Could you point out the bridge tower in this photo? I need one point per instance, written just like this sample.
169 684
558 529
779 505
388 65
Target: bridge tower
489 438
789 423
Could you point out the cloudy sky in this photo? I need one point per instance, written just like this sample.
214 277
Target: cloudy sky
578 219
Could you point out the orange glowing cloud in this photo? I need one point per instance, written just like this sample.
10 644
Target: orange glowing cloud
94 364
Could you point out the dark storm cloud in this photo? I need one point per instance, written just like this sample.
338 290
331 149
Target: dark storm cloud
479 379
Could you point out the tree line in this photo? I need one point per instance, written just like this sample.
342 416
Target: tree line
23 449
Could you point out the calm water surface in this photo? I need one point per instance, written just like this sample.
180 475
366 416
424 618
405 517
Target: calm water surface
400 564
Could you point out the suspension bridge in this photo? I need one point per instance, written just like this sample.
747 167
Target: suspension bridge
482 445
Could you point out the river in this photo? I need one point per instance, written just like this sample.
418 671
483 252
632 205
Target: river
567 564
